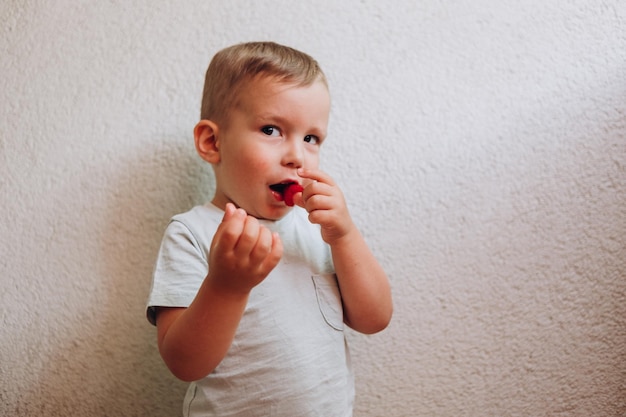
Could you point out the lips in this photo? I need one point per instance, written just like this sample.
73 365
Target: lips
285 191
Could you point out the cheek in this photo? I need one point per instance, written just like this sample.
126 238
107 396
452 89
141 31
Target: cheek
237 156
252 163
312 160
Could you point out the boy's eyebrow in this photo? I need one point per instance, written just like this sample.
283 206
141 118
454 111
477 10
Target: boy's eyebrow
272 116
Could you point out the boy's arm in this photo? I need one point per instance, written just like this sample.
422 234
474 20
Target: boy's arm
194 340
364 286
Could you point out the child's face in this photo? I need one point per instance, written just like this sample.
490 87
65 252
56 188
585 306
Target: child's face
274 130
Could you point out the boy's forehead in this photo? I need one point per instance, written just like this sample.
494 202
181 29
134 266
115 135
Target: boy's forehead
266 87
276 84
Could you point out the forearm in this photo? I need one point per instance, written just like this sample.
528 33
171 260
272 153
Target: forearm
364 286
193 341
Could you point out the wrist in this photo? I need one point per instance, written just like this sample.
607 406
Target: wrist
227 287
347 237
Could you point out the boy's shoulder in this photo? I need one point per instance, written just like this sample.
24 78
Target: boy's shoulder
196 225
199 214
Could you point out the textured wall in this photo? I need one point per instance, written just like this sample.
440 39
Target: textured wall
482 147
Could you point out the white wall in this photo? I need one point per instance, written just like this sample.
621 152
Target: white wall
481 145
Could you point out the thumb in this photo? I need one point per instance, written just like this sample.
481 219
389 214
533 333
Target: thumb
298 199
229 210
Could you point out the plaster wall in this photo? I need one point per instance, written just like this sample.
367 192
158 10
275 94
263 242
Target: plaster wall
481 146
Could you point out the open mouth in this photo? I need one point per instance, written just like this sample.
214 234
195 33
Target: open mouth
285 191
281 187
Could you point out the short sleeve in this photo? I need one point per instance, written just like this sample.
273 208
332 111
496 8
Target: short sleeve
180 269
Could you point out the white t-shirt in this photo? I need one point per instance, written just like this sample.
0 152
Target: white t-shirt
289 356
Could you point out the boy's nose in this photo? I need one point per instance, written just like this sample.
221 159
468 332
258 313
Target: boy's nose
294 153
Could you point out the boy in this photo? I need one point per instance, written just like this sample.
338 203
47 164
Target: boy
250 295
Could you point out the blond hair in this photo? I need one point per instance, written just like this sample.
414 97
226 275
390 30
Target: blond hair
232 67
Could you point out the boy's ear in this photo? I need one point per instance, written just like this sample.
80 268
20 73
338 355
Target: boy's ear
206 138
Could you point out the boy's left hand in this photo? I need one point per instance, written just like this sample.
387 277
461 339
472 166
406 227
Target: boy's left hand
365 290
326 205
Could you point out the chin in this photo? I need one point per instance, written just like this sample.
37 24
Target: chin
276 213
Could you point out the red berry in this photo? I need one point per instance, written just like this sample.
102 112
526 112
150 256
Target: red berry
290 191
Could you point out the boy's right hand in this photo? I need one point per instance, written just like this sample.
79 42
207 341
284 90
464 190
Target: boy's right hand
243 252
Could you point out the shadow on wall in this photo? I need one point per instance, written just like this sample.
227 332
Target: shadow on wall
109 364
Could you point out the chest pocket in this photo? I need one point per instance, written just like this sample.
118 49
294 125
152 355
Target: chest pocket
329 299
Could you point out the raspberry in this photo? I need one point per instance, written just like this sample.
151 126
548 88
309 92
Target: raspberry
290 191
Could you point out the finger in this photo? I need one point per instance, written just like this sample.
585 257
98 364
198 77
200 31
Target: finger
298 199
230 229
262 247
276 252
229 210
319 196
248 237
322 217
320 202
319 188
316 175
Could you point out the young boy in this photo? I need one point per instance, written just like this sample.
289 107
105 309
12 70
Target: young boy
250 295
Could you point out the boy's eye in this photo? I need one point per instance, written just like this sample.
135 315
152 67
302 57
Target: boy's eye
270 130
312 139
